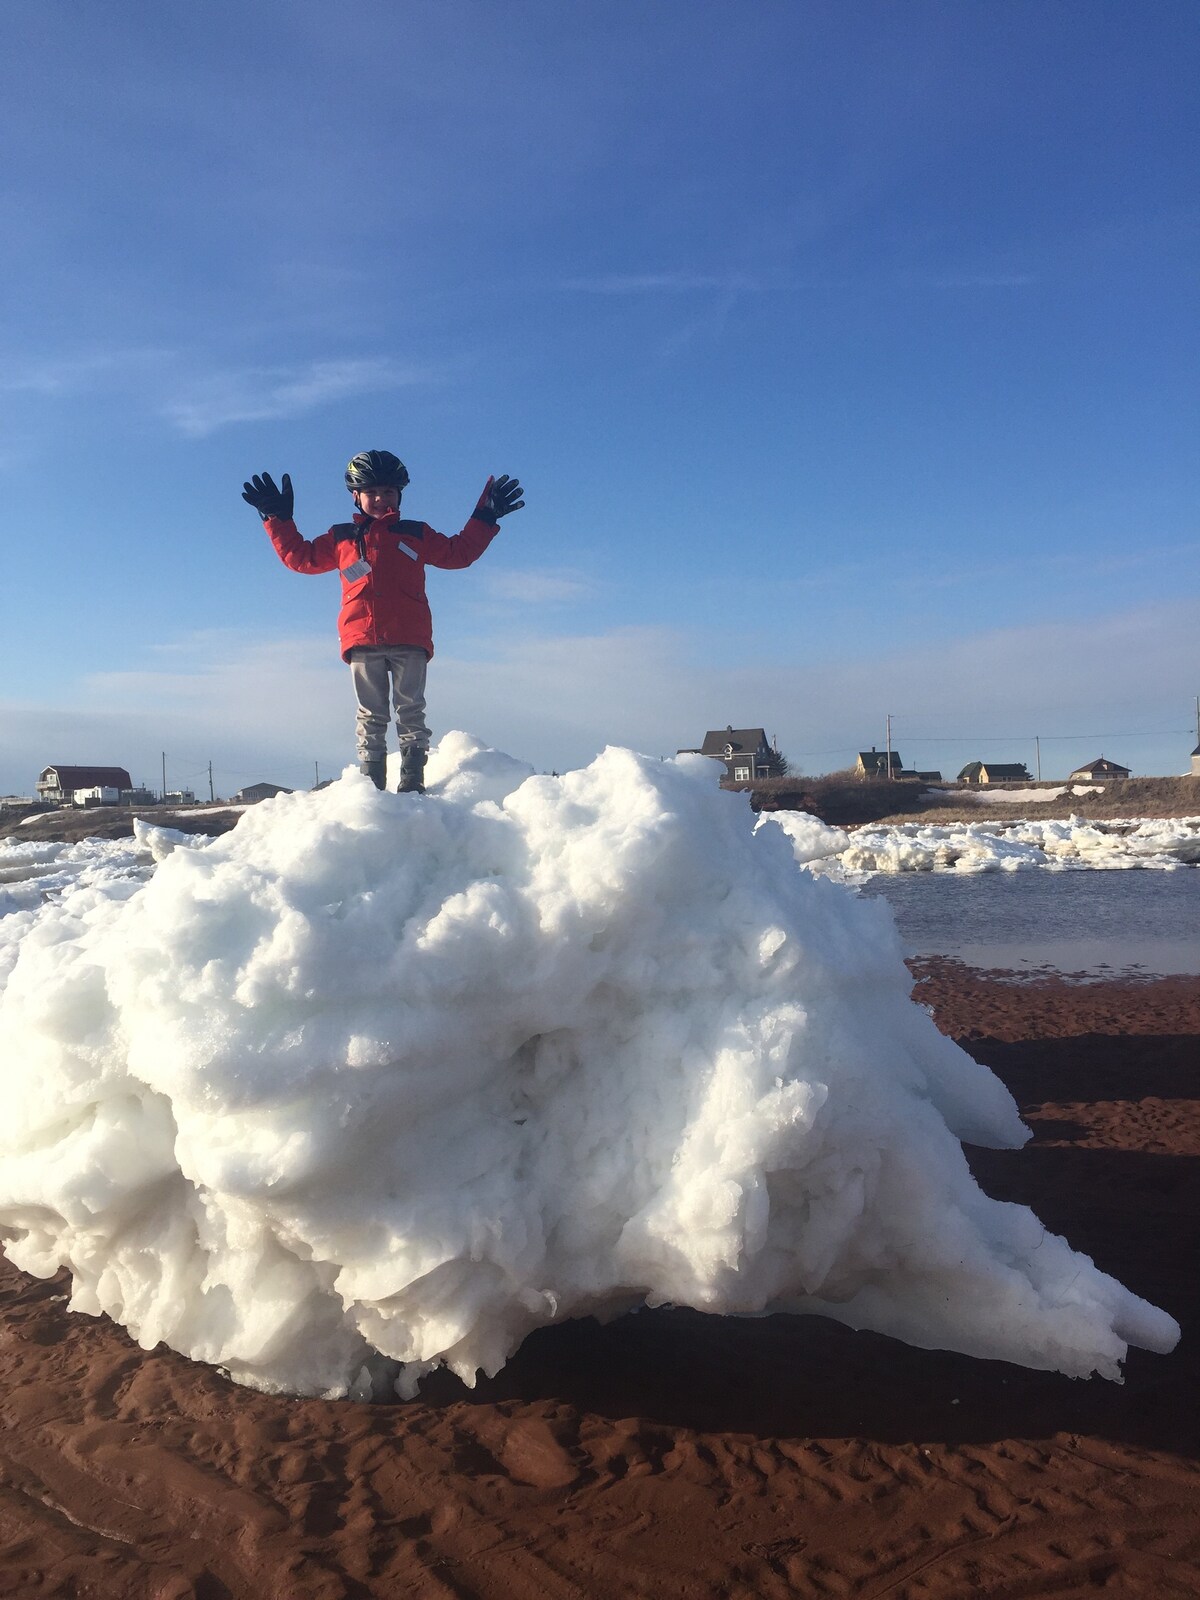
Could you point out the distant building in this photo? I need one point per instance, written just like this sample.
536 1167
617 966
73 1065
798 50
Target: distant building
141 796
874 763
99 796
255 792
1196 762
179 797
58 784
744 752
1003 772
995 772
1098 771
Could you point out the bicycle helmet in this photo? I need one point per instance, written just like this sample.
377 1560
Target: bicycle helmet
376 469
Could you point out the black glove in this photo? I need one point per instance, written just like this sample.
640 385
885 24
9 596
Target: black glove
501 496
266 499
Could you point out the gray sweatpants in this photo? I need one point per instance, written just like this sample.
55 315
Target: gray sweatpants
371 665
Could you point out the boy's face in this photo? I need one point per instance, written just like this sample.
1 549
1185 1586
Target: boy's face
377 502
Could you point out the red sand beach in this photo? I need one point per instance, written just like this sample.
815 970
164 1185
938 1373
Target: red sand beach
672 1454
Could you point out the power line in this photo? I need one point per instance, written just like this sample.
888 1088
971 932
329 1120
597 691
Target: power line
912 736
1019 738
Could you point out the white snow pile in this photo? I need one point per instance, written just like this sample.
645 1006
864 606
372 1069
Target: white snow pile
401 1076
1163 844
1010 797
812 840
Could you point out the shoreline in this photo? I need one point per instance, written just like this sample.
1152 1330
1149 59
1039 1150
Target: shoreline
670 1453
840 803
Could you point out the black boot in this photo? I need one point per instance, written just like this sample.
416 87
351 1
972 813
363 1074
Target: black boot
376 770
412 770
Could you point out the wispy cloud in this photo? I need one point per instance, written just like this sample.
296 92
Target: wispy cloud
555 698
264 394
735 283
1017 566
983 280
197 398
547 586
188 698
1136 556
80 374
661 283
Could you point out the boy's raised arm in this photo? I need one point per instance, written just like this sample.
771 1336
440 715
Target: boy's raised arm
267 500
500 496
274 503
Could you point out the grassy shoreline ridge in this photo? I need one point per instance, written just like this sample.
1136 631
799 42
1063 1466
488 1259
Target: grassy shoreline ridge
844 801
838 799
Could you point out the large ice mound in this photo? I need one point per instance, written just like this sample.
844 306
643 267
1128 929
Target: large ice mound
415 1075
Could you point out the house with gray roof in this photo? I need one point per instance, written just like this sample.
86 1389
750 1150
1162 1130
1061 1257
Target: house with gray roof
254 792
1099 771
874 763
745 753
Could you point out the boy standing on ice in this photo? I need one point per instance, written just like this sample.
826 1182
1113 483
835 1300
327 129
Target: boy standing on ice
384 625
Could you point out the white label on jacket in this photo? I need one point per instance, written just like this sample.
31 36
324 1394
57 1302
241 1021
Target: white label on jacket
407 550
355 571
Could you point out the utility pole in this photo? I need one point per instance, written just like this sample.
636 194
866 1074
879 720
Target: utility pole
316 773
1037 744
889 745
163 790
211 796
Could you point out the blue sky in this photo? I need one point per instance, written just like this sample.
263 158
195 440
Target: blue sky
847 353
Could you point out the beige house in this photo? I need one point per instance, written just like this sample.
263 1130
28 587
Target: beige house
874 763
995 772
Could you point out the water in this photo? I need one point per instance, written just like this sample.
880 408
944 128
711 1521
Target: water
1093 923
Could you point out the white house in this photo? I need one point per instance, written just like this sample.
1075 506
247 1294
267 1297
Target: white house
96 796
58 784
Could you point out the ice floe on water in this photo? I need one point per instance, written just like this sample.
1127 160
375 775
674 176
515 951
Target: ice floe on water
415 1075
1162 844
31 873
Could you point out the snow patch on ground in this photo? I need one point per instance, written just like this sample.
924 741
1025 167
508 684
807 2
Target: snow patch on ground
404 1077
1015 797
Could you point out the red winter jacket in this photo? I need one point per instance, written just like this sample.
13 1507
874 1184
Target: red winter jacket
386 604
